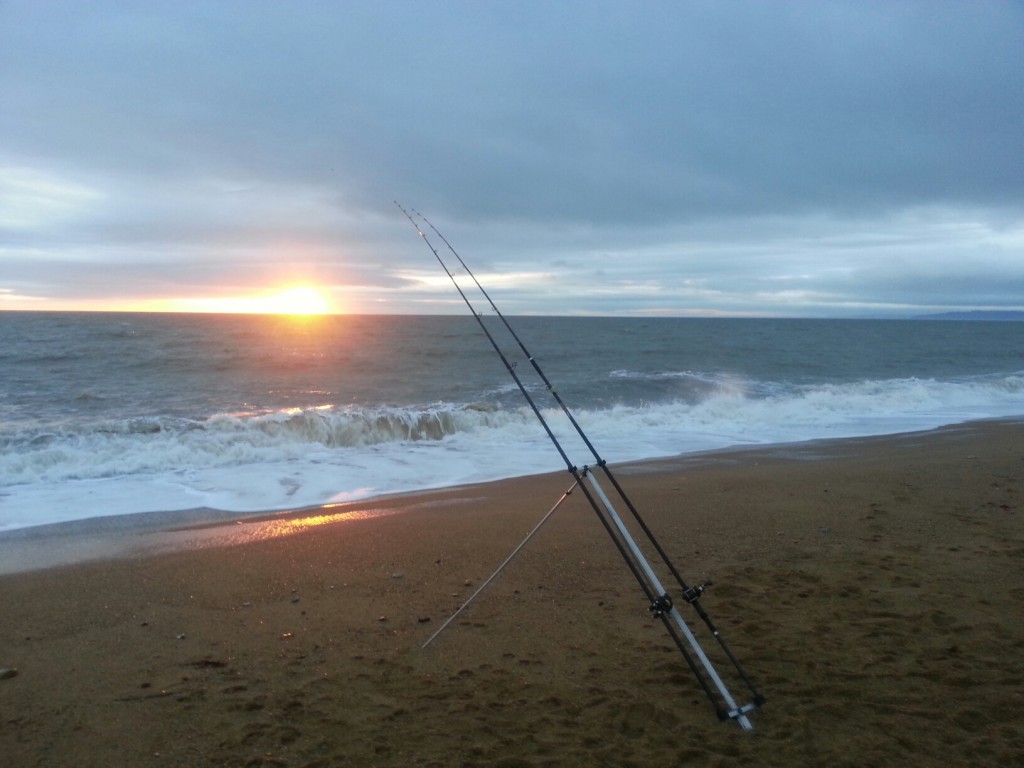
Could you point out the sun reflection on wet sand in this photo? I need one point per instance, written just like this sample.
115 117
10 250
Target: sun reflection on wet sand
48 546
272 529
245 531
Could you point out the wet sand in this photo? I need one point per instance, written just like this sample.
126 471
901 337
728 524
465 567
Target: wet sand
872 588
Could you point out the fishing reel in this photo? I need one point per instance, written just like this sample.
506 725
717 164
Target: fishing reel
692 594
660 606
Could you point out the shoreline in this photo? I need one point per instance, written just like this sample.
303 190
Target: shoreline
144 534
871 587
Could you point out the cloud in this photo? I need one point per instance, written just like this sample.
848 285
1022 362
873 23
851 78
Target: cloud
30 199
743 157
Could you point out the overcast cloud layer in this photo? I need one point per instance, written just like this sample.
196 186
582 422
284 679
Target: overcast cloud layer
785 158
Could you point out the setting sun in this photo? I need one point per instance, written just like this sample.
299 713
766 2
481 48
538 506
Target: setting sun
296 300
300 300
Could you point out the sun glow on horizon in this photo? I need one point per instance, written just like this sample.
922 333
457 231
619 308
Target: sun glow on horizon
296 300
300 300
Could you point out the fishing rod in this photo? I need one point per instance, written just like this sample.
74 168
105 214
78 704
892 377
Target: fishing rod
661 604
691 593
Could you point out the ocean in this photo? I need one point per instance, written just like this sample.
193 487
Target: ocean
121 414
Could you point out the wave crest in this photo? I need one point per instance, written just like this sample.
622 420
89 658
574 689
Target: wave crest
728 411
356 427
135 446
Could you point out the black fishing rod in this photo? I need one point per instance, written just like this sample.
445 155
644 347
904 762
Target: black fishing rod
690 593
661 604
656 597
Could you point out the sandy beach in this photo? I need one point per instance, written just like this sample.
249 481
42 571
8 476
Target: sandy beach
873 589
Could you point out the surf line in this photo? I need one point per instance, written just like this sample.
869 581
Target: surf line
661 604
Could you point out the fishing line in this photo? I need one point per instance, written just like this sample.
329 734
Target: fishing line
661 604
501 567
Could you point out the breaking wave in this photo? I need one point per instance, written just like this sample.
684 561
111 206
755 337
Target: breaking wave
720 411
150 445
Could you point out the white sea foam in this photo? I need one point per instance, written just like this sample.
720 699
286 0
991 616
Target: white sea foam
296 458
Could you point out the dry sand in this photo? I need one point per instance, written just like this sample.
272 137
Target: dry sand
873 588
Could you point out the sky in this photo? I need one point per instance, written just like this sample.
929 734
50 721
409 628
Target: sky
807 159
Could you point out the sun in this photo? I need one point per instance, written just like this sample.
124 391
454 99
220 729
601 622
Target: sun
302 300
298 300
